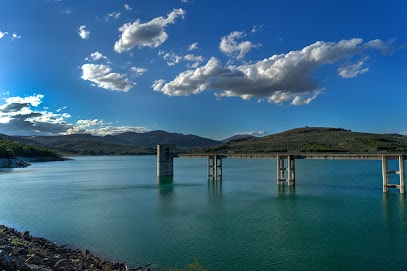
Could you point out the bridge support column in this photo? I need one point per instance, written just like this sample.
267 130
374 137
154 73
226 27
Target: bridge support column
165 160
214 167
282 169
385 172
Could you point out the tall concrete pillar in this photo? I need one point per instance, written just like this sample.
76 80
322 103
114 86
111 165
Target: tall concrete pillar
402 175
165 160
385 173
215 167
291 170
282 169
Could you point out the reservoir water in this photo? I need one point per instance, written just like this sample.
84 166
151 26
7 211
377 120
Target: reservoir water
336 217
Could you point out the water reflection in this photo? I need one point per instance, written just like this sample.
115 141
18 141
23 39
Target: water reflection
286 190
394 211
165 185
215 187
215 197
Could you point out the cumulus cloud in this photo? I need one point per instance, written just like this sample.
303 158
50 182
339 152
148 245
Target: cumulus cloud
127 7
100 128
21 116
149 34
231 46
24 116
83 33
96 56
192 81
103 77
283 78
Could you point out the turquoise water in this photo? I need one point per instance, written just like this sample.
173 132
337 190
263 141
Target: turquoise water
336 217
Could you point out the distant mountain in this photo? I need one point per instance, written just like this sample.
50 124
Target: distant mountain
151 139
85 144
124 143
316 139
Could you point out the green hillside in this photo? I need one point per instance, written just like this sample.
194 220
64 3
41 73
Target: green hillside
11 149
315 139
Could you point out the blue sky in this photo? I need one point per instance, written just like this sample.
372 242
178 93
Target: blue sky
210 68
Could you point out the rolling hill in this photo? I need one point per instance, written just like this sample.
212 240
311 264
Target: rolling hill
315 139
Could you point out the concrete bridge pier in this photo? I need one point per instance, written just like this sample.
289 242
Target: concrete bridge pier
165 161
215 167
282 169
385 172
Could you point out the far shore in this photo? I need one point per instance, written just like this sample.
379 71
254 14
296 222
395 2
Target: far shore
22 162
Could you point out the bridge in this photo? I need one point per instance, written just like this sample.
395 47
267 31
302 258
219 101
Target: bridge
285 163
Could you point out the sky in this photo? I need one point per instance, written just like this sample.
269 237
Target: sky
205 67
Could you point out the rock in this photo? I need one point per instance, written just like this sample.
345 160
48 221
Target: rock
63 263
20 251
34 260
5 259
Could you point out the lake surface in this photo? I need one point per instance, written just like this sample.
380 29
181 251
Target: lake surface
336 217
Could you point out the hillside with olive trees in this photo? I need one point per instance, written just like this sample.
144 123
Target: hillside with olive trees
316 140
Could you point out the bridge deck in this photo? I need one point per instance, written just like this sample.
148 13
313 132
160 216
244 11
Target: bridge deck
320 156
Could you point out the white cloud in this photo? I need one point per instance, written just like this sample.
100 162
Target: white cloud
150 34
283 78
113 15
127 7
13 36
21 116
193 46
231 47
100 128
191 81
138 71
253 133
172 59
96 56
353 70
83 33
256 28
103 77
197 60
2 34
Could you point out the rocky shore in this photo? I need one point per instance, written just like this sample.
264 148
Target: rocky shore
21 251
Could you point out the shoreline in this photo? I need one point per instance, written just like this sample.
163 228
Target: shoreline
21 251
